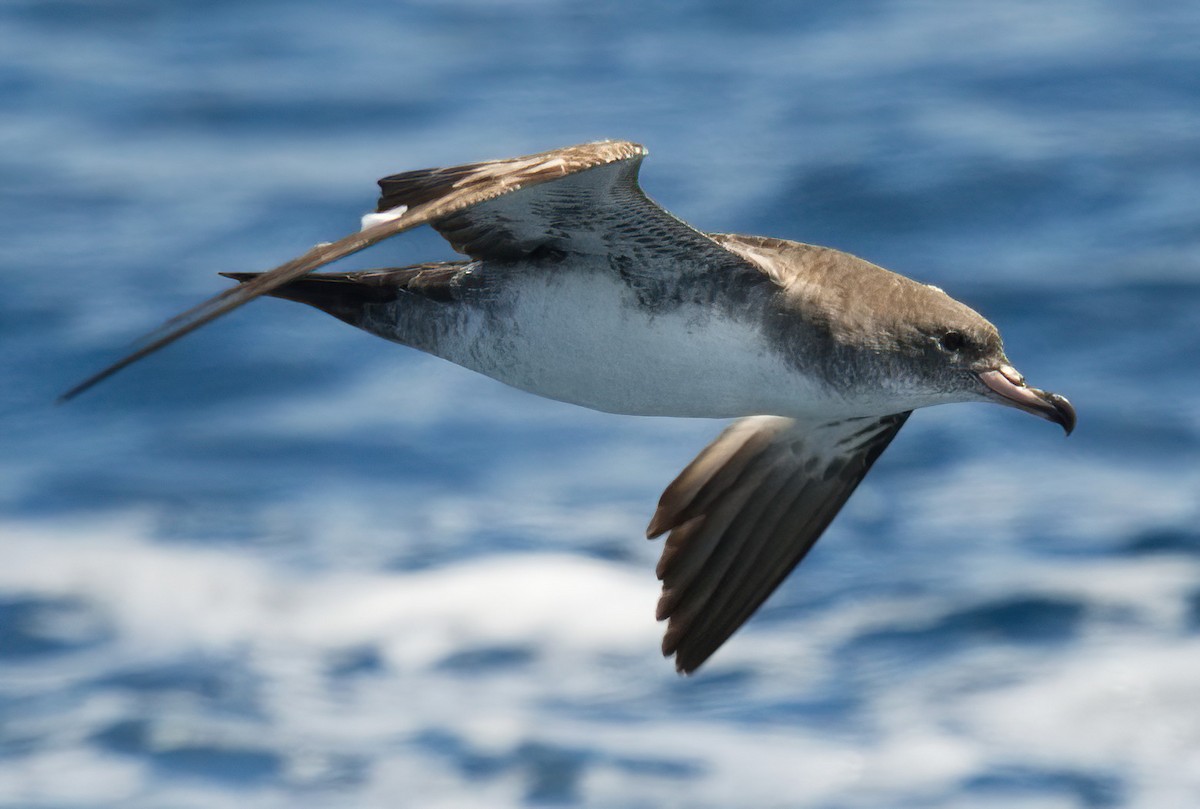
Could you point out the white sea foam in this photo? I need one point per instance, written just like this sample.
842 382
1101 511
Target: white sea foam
216 598
579 642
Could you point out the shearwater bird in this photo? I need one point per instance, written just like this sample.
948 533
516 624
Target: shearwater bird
576 286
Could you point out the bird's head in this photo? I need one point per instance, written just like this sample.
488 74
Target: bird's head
952 349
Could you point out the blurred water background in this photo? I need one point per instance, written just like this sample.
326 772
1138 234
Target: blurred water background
287 564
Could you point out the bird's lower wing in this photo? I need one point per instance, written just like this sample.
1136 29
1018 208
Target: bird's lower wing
745 512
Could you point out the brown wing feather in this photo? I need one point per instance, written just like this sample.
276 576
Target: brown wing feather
344 294
594 207
491 178
745 512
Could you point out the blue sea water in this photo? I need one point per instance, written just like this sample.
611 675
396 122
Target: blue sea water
286 564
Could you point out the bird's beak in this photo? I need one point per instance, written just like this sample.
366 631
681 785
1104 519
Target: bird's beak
1008 387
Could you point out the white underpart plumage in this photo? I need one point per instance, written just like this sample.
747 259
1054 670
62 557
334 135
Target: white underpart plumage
583 339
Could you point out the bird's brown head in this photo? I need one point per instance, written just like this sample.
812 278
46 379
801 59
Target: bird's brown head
956 349
887 342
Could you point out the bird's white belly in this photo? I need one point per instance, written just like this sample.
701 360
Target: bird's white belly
583 338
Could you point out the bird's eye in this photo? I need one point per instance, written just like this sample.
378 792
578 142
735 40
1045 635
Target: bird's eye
952 341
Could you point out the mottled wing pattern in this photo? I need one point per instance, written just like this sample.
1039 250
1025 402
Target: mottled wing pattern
593 208
745 512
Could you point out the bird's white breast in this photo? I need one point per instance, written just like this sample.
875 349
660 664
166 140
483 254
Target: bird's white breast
583 337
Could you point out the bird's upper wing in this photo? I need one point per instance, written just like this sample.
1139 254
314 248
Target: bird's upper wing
579 199
594 206
745 512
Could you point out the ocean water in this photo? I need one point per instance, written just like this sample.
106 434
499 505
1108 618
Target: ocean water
286 564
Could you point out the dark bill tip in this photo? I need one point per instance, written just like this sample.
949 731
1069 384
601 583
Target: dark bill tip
1065 411
1009 388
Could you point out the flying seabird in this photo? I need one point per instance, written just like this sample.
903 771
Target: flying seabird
577 287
